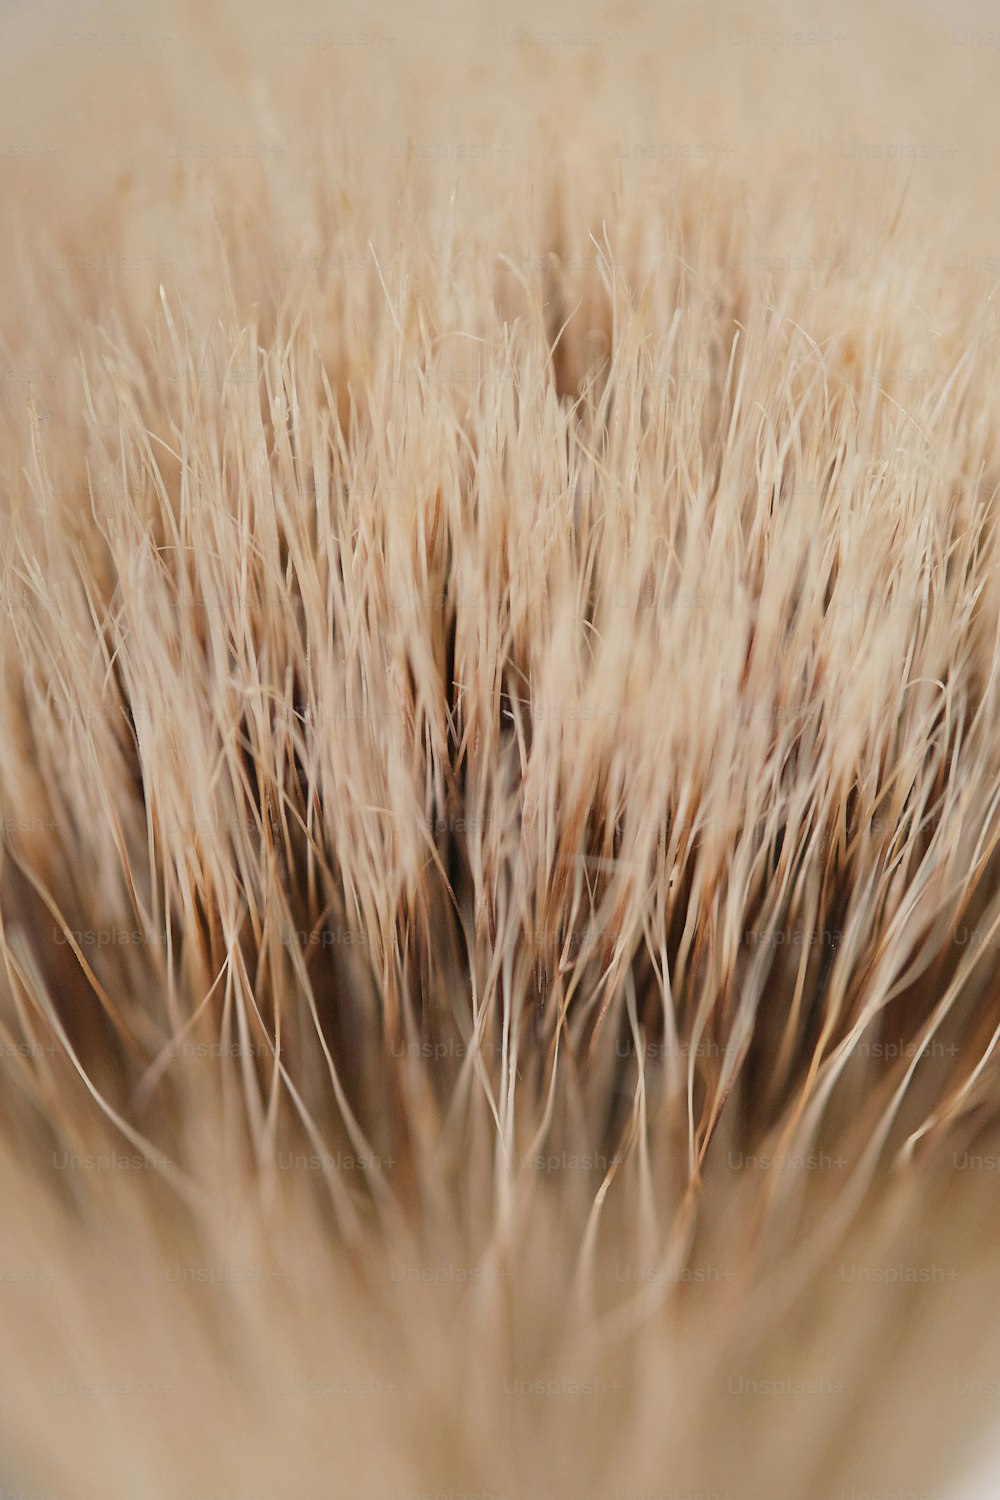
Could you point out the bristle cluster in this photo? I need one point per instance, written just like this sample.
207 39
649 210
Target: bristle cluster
499 631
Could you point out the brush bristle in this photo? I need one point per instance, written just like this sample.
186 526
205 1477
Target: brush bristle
499 763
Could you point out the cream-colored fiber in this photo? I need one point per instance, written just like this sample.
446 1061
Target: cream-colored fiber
499 752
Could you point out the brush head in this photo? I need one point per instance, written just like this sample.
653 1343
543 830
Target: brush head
498 646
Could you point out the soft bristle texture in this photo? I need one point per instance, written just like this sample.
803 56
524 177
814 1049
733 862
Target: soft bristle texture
499 643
